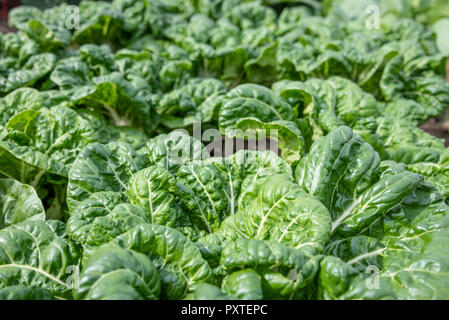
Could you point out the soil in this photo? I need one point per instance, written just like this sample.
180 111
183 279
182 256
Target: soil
439 126
4 28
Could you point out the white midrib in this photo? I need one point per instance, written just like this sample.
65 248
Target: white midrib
266 104
293 221
110 273
313 244
264 217
116 118
203 217
164 263
37 178
115 174
8 175
232 192
366 255
316 176
348 212
345 214
56 142
205 191
46 274
150 201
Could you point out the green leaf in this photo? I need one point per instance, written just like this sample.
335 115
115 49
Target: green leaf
18 101
203 191
244 285
275 208
254 112
83 215
154 189
349 167
103 27
288 272
178 260
35 68
207 291
123 99
47 140
36 253
439 28
21 292
102 168
338 280
197 101
244 163
113 273
18 202
172 150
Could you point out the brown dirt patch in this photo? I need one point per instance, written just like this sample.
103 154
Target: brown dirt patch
439 126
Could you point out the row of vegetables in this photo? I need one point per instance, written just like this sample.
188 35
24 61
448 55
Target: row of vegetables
103 197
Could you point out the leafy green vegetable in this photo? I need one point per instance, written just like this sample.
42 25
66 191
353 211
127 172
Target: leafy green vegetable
39 254
111 267
19 202
224 150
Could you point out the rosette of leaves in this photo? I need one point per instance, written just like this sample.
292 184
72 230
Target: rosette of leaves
251 111
38 260
177 260
43 141
122 99
197 101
